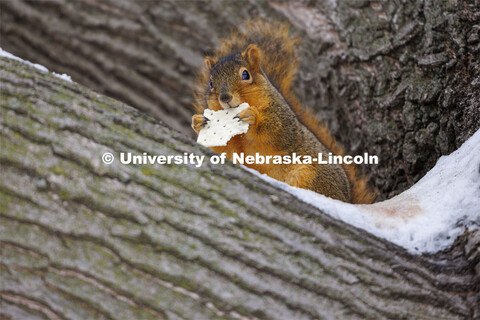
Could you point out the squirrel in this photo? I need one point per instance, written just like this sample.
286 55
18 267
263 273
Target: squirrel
257 66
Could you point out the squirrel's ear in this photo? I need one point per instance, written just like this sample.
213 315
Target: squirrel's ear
252 56
209 62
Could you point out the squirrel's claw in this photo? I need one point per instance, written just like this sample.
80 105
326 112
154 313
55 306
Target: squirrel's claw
198 122
248 115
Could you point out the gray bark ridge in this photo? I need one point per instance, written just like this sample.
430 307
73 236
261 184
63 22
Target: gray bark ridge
83 240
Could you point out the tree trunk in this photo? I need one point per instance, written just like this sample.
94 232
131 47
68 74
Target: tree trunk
399 79
84 240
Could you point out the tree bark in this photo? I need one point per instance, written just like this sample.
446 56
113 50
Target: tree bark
399 79
84 240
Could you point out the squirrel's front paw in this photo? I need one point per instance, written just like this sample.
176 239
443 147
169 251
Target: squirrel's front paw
248 115
198 122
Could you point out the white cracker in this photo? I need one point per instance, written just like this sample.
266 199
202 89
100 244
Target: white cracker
222 126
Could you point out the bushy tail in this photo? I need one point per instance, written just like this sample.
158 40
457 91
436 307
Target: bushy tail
280 63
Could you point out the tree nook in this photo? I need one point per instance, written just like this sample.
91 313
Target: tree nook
83 239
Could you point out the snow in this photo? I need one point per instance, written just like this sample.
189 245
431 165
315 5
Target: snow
63 76
426 218
6 54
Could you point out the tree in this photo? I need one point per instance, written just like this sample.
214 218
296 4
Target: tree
84 240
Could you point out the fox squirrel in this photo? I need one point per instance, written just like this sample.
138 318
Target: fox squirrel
257 66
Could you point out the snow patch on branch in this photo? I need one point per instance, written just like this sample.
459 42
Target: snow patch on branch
426 218
6 54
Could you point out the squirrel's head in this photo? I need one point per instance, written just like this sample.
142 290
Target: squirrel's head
234 79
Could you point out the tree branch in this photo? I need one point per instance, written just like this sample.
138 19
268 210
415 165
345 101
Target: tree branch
81 239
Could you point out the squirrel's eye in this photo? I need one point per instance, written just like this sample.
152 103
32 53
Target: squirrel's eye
210 84
245 75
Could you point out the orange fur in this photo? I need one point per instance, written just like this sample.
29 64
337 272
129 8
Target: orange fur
360 191
279 63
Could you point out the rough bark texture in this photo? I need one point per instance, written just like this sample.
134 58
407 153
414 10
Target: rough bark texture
399 79
84 240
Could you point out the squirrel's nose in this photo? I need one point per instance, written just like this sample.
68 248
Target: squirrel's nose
226 97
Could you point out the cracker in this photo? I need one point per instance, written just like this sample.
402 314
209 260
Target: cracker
222 126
